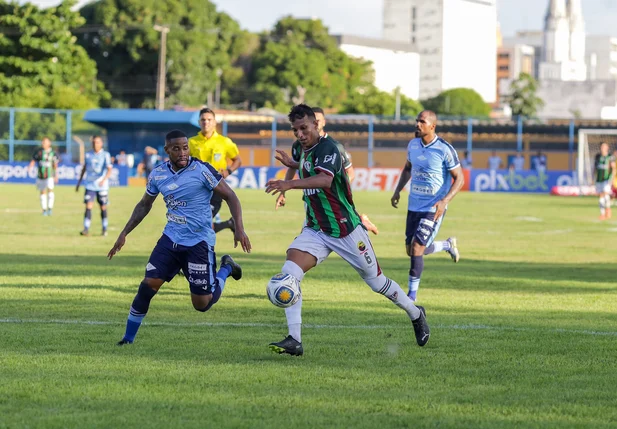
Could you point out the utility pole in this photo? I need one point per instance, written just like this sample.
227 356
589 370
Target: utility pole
160 82
397 112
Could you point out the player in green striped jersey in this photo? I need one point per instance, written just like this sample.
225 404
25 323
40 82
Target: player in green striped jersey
605 171
332 225
296 152
46 160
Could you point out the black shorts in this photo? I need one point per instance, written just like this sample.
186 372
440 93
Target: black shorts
198 263
421 227
215 203
102 197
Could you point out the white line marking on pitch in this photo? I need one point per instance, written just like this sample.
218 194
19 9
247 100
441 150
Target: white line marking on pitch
466 327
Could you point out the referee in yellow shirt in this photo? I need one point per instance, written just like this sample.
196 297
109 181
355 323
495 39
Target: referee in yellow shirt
215 149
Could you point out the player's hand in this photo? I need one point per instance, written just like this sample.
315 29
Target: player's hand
56 180
224 173
77 188
280 201
440 208
241 237
117 246
395 199
285 159
275 186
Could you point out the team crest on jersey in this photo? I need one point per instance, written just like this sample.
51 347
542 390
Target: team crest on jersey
307 166
172 187
218 156
361 246
172 203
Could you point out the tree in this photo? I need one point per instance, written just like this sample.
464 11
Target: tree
201 45
522 98
299 53
41 65
372 101
458 102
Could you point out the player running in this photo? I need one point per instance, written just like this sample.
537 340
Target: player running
215 149
332 225
605 169
46 160
187 243
431 164
97 169
296 152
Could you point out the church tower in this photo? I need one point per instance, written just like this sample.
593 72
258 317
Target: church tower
577 31
556 32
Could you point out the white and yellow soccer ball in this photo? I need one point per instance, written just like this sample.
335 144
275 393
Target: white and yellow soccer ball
283 290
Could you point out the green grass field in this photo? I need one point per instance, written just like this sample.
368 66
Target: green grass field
524 328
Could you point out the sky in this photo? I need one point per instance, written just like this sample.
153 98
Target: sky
364 17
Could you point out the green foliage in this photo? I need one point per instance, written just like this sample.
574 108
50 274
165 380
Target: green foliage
126 48
298 61
523 99
370 100
458 102
41 65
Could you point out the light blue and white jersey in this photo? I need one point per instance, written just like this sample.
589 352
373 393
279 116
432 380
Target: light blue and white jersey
430 172
187 194
96 165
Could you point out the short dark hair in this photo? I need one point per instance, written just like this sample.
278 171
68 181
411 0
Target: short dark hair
318 110
299 111
96 136
174 134
206 110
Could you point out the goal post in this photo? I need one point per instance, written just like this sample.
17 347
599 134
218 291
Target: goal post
589 141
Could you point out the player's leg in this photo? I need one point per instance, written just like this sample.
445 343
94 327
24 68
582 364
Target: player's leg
206 283
51 197
607 199
102 198
89 197
368 224
304 253
357 250
162 266
420 233
41 186
215 204
450 245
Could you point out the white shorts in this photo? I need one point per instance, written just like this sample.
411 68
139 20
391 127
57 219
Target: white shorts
356 249
603 187
42 184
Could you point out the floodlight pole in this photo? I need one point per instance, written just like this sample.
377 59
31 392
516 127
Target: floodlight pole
160 82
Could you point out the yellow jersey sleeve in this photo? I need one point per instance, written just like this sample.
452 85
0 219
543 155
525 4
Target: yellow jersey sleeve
231 149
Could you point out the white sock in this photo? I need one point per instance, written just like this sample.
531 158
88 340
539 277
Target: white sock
395 294
294 313
43 201
607 200
602 206
50 199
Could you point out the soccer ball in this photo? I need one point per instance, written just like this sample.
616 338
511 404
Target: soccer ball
283 290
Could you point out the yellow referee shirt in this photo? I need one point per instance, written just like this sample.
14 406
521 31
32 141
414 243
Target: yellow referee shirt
215 150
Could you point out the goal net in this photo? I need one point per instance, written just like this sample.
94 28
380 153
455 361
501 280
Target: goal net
589 141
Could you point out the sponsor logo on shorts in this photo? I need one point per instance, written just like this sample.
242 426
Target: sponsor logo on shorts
150 267
424 232
199 282
198 268
361 246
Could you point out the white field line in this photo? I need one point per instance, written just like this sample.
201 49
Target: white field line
462 327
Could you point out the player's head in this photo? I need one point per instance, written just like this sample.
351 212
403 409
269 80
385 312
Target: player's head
97 143
177 148
304 125
321 119
493 153
426 123
45 143
604 148
207 120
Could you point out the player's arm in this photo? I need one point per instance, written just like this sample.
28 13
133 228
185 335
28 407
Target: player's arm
351 173
140 211
280 200
81 177
402 182
322 180
457 185
110 168
233 154
235 209
286 160
56 174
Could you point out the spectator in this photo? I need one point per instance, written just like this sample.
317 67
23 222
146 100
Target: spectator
121 158
65 158
466 162
539 162
494 161
517 163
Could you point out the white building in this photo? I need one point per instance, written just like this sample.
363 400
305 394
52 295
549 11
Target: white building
396 64
535 39
456 40
564 42
601 58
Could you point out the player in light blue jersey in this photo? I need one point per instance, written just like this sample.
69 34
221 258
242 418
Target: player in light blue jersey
187 243
431 164
97 169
